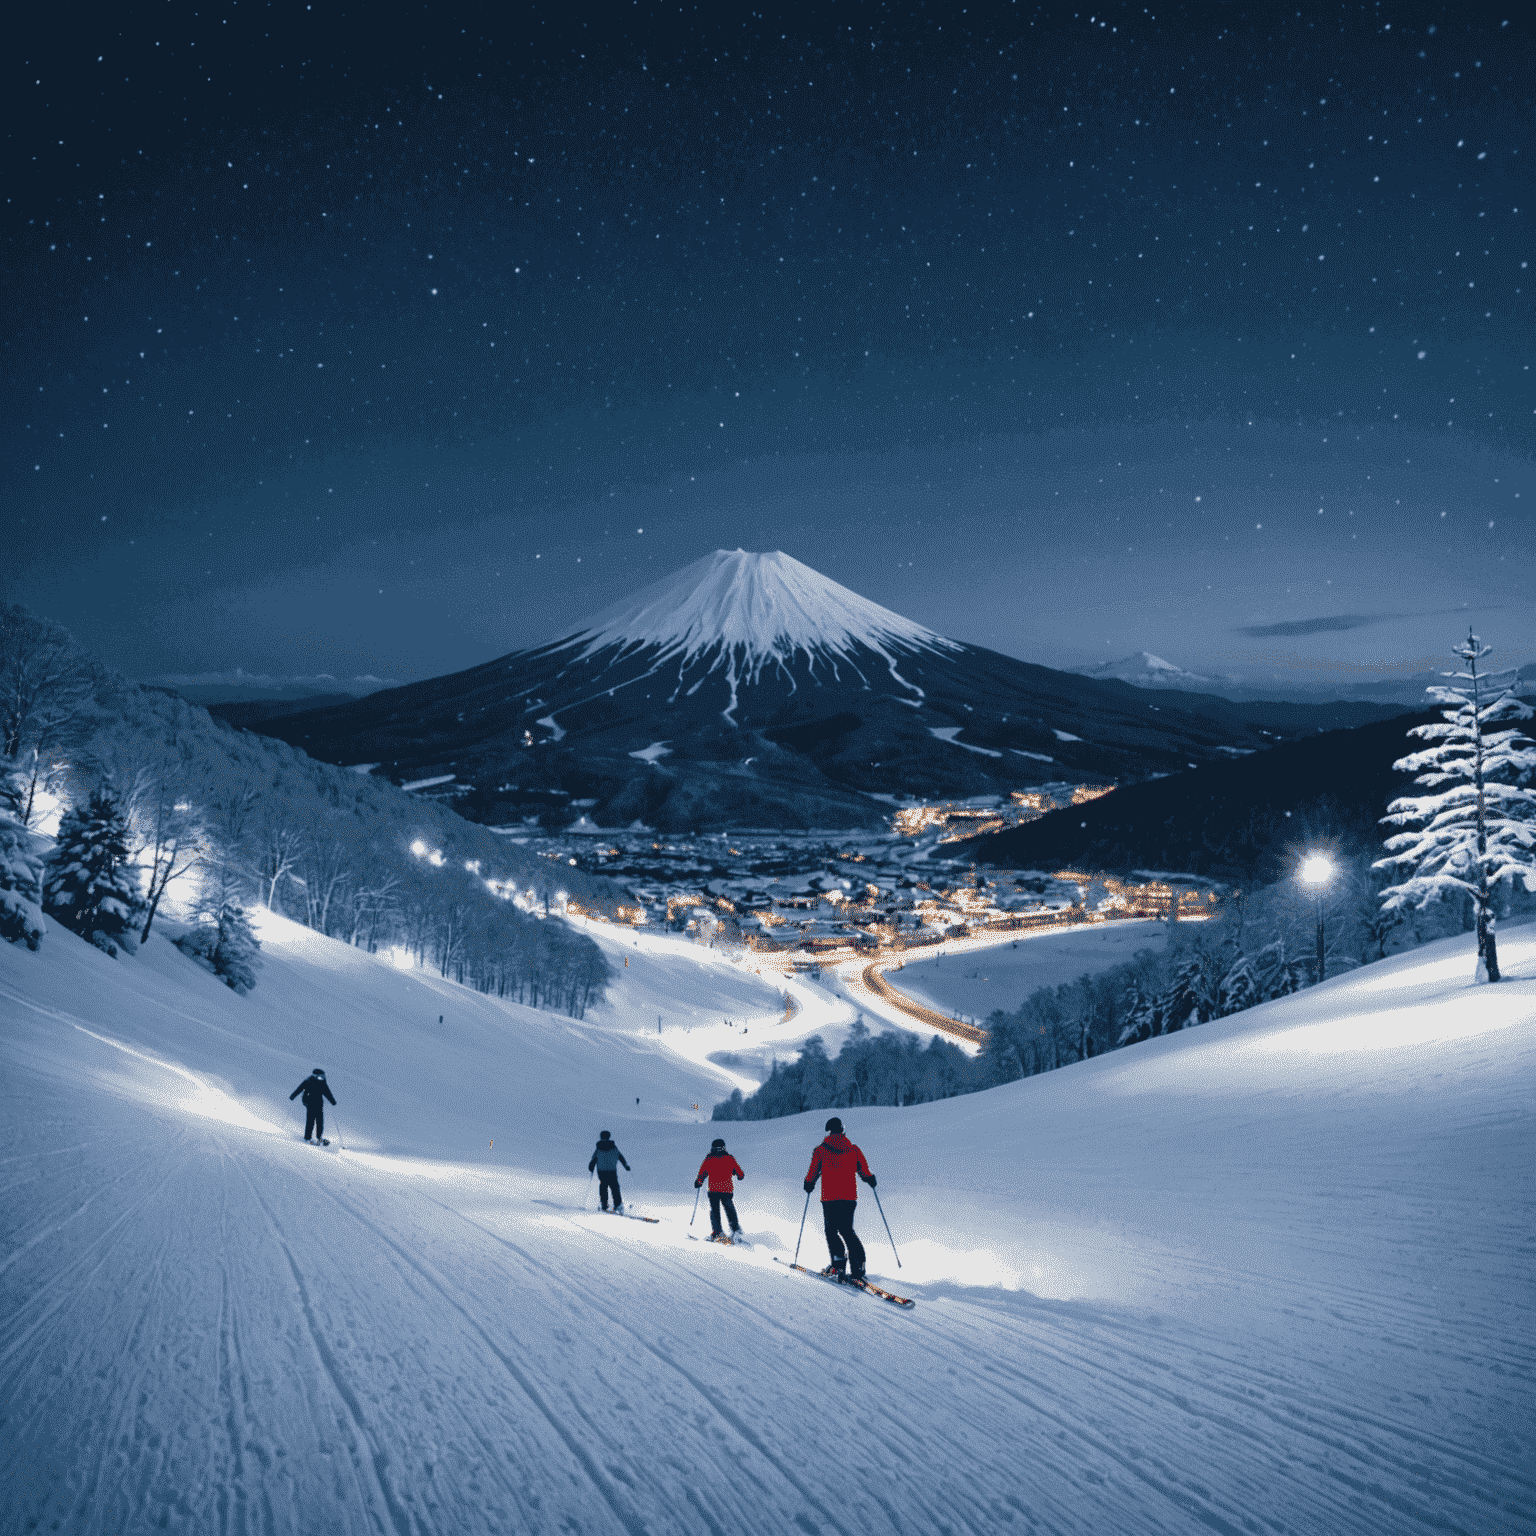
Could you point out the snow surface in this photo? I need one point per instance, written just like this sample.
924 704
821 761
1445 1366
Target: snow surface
441 778
743 612
1271 1274
951 734
974 982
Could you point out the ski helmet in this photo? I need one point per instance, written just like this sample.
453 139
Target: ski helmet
718 1144
319 1072
604 1135
835 1126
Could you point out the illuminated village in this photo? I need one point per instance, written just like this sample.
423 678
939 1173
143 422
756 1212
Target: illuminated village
822 895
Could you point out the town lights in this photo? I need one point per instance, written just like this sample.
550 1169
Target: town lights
1316 871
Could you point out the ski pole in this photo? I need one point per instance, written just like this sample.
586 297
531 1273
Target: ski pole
881 1209
587 1193
341 1141
803 1214
699 1191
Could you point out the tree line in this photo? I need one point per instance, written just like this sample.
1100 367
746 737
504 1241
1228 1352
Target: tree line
163 809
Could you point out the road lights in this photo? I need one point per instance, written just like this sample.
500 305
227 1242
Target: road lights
1316 872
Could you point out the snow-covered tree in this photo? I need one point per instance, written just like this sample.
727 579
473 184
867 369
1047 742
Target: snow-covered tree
46 689
1143 1017
160 788
1277 975
227 946
21 868
1239 987
1477 831
90 883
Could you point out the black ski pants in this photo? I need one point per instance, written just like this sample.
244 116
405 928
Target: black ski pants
608 1178
314 1121
842 1241
716 1200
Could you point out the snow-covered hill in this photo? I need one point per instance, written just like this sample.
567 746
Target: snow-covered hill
1272 1274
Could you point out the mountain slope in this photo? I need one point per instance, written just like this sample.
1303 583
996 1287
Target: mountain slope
1241 820
749 690
1271 1273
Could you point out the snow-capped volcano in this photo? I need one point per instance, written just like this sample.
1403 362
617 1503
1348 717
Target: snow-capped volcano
738 613
755 610
750 690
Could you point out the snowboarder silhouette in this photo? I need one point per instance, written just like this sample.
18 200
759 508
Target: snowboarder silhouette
606 1158
835 1162
316 1091
718 1167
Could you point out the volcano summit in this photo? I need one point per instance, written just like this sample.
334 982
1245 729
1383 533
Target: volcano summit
750 690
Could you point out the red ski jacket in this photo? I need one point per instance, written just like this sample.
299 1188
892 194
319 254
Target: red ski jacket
837 1160
718 1168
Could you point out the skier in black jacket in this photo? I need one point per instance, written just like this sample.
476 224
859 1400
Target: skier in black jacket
606 1159
315 1090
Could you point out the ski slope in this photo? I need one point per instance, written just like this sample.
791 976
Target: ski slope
1270 1275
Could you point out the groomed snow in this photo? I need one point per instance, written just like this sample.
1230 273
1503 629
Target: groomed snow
1270 1275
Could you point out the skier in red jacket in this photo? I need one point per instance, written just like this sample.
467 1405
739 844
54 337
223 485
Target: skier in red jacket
835 1162
718 1168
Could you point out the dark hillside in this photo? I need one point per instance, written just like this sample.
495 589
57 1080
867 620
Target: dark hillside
1238 820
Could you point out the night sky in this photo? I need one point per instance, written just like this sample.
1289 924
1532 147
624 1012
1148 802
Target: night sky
365 342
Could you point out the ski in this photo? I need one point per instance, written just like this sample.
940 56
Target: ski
858 1285
725 1242
630 1216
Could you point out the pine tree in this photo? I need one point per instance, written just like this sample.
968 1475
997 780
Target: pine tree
1177 1002
1239 987
1479 830
1277 976
1143 1018
227 946
21 869
89 883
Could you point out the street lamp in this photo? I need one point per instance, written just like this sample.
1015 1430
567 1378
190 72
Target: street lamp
1316 871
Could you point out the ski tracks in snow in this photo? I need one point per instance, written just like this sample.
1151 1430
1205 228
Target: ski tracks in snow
208 1329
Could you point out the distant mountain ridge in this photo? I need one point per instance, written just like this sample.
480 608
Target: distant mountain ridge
750 690
1144 670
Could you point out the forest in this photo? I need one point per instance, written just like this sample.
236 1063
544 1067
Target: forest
122 805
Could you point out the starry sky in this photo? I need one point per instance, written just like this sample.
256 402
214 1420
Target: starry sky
370 342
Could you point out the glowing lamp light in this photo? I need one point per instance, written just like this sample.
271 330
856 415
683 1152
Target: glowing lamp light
1316 869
